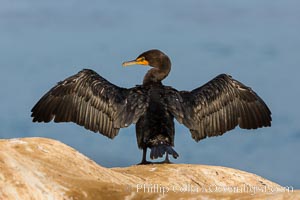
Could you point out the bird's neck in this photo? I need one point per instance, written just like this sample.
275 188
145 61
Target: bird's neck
156 75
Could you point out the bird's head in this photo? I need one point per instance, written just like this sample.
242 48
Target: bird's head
154 58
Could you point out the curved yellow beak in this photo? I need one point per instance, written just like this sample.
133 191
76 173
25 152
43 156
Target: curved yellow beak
138 61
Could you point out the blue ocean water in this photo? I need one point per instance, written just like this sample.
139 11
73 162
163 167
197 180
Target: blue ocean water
257 42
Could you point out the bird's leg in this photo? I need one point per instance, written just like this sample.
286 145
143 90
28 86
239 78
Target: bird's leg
167 161
144 161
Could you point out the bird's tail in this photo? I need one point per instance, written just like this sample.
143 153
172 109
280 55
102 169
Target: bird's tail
159 146
160 149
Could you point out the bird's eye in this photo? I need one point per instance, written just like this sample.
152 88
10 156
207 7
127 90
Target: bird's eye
141 59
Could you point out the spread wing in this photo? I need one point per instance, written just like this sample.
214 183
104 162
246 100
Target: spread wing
219 106
91 101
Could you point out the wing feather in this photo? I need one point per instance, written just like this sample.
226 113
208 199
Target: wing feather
219 106
91 101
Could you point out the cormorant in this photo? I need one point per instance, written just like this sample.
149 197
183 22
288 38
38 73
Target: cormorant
89 100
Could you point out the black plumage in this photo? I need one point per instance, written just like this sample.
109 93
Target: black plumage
91 101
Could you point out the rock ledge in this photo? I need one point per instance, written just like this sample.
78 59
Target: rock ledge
41 168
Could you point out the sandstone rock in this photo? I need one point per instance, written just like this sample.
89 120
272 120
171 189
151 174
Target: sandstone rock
40 168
